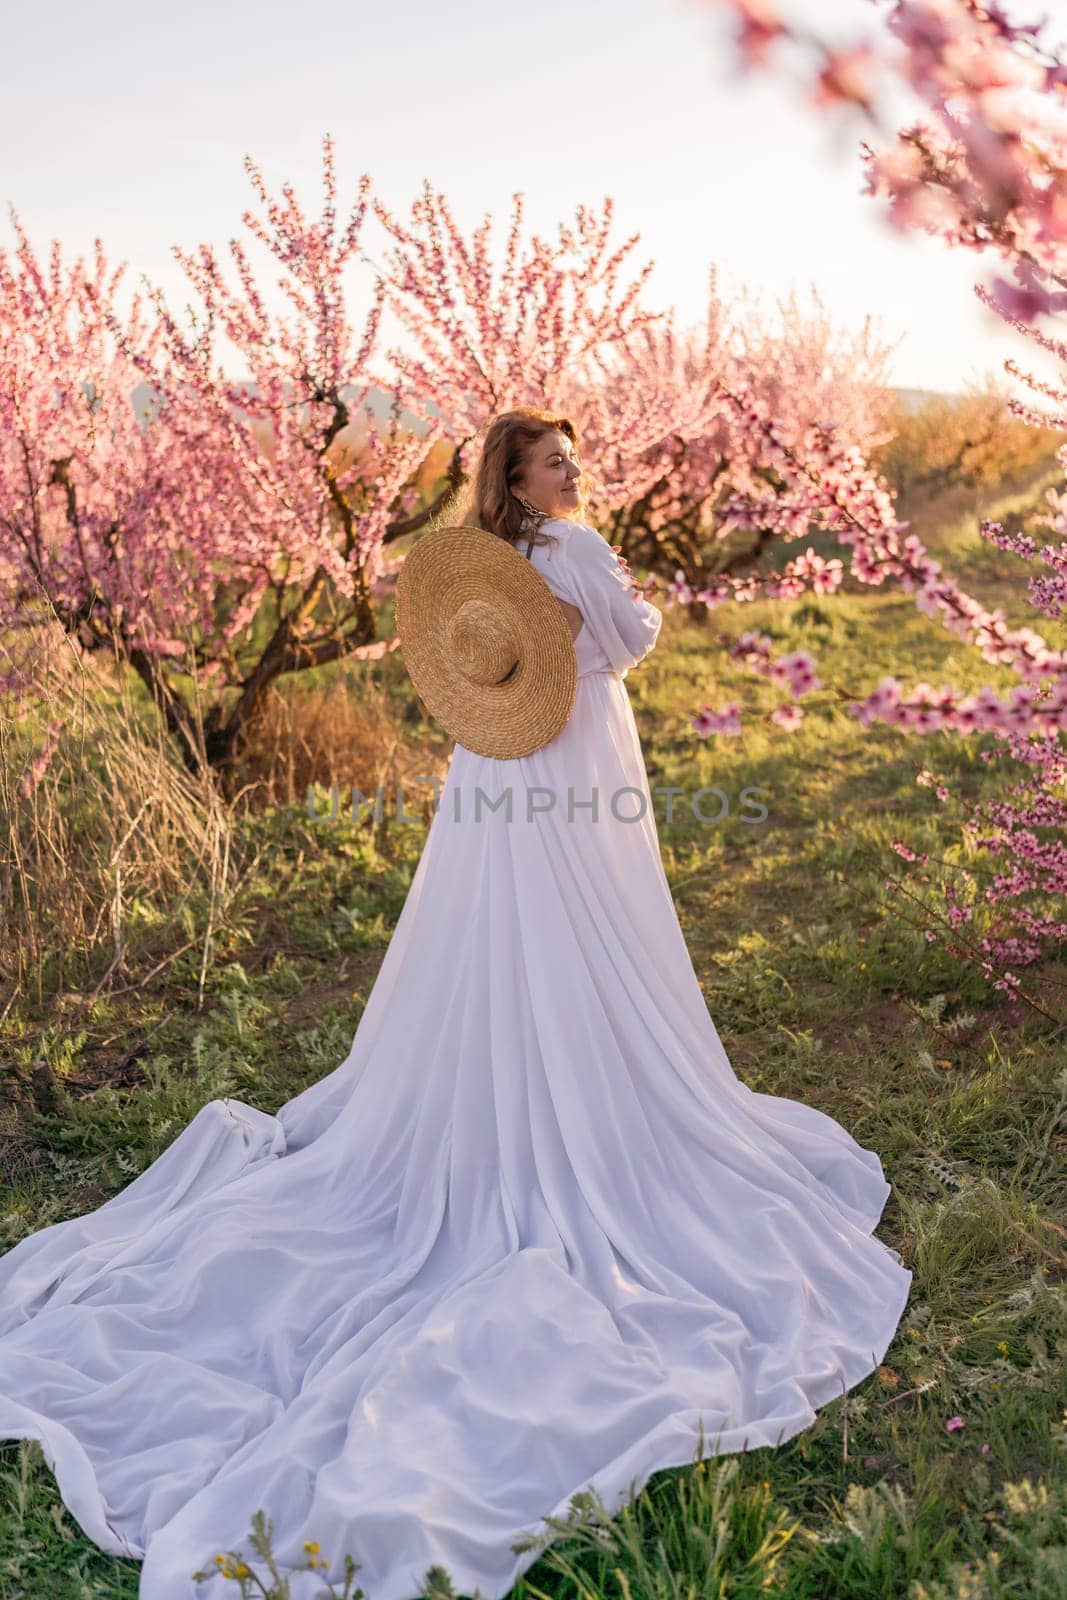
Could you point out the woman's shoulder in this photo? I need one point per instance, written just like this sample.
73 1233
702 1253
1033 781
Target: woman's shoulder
569 524
585 547
578 546
570 531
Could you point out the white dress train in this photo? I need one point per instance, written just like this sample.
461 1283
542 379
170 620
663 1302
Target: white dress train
525 1240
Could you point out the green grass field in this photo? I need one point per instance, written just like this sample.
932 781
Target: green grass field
823 987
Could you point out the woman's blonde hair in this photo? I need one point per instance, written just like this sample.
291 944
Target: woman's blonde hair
490 501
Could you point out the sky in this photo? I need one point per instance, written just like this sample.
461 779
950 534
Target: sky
132 121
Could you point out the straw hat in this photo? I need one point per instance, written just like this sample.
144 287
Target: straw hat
485 642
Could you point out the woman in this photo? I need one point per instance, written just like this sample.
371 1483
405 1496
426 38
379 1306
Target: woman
532 1236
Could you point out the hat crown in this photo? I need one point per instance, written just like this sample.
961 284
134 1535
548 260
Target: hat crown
483 643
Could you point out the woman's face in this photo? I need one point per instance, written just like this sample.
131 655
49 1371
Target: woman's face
550 481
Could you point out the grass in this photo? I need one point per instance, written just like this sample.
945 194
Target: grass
252 978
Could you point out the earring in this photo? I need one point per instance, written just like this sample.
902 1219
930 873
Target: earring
530 510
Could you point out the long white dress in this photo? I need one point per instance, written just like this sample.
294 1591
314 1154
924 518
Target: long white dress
525 1240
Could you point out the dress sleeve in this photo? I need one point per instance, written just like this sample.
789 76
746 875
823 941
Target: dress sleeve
625 628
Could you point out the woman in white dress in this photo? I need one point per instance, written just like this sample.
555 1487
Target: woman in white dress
532 1236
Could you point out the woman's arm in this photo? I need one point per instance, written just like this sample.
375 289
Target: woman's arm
622 621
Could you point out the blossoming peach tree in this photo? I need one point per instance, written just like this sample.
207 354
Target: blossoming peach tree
669 468
986 170
225 541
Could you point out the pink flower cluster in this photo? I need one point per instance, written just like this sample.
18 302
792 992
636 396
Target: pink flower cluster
794 671
727 721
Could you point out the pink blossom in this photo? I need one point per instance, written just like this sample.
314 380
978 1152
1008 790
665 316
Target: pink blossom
788 716
727 721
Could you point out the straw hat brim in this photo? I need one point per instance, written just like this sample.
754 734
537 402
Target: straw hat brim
485 642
